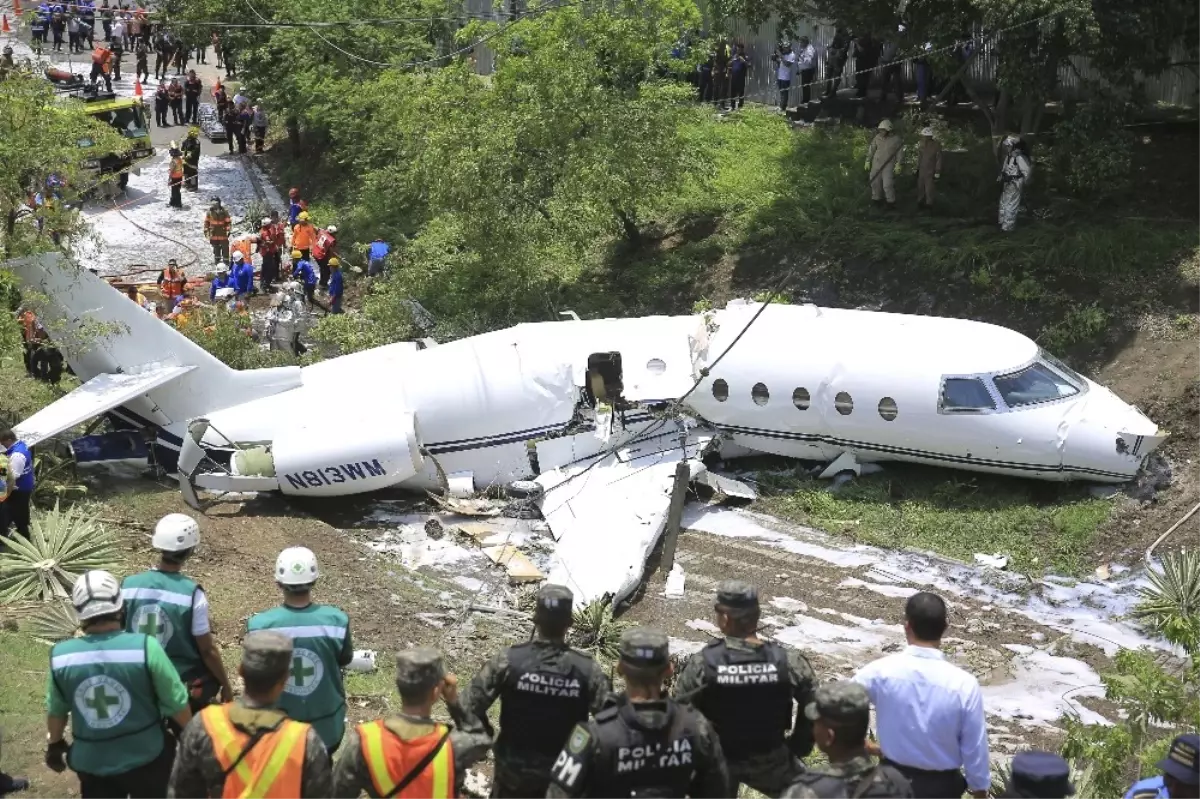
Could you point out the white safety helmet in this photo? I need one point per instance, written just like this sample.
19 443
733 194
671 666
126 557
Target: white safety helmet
927 132
332 228
266 220
296 566
885 124
237 256
222 269
96 593
175 532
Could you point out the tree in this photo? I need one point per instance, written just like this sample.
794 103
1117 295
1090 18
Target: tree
39 138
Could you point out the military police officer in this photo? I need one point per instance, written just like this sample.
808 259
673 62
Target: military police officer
1039 775
545 688
116 687
642 743
410 754
172 607
1180 777
841 713
745 687
249 747
321 637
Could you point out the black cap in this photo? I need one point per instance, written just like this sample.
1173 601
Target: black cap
1182 761
737 594
645 647
1041 774
554 600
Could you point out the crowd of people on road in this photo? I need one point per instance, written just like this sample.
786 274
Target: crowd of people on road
125 28
153 712
721 77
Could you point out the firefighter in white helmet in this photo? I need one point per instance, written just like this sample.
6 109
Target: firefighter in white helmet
321 636
164 602
116 687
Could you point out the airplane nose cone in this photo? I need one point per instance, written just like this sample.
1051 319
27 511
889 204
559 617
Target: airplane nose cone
1107 438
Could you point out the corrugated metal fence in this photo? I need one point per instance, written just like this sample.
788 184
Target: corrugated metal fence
1177 86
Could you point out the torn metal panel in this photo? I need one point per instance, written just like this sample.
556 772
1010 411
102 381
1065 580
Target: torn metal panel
608 514
726 485
98 395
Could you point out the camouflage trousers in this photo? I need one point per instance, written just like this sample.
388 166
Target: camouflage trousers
769 773
509 782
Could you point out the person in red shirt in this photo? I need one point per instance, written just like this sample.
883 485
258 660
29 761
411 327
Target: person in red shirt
323 249
268 248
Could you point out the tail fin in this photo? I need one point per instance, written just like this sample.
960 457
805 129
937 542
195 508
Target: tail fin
100 331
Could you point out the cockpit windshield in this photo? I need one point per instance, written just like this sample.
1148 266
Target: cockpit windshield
1037 383
1071 374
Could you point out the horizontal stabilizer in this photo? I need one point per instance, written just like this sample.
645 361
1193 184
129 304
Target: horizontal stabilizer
98 395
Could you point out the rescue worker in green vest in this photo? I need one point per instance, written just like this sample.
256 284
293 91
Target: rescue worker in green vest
117 688
173 607
250 747
321 637
409 755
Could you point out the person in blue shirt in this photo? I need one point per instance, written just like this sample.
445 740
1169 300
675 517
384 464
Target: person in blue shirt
376 253
302 270
221 281
1180 769
243 276
294 206
336 285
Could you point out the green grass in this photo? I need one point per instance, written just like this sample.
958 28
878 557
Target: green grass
23 662
951 514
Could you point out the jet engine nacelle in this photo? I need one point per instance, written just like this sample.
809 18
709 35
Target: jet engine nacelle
336 461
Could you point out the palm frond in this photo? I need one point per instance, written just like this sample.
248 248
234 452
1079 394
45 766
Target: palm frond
53 622
595 630
1170 605
61 546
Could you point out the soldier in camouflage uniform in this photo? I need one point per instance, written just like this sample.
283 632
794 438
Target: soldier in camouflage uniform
841 713
199 771
545 688
642 743
745 688
410 754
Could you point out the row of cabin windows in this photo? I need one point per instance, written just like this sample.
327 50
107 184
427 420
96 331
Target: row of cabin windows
843 402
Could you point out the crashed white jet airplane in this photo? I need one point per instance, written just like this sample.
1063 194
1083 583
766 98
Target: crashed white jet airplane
589 409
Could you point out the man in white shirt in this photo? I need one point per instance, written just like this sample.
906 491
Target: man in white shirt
929 712
785 62
806 63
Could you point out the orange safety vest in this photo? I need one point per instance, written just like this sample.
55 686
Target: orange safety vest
176 169
303 236
242 246
172 286
390 759
101 55
28 325
272 769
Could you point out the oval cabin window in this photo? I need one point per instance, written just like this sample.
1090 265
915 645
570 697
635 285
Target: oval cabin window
720 390
888 409
759 394
844 403
801 399
656 366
